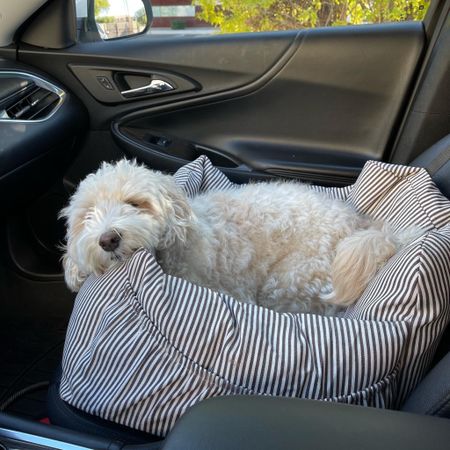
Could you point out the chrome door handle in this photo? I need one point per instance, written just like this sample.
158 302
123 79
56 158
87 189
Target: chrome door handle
154 87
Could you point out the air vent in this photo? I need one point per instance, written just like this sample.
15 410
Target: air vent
32 103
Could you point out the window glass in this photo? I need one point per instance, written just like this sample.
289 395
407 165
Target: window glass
117 18
230 16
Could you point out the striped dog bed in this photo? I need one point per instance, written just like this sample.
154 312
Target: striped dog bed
143 346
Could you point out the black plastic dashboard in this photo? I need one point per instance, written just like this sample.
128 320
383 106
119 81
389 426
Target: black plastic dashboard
40 122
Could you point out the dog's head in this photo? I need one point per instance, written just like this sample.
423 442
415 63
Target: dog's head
115 211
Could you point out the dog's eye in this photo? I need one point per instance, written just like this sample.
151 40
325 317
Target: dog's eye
133 204
142 205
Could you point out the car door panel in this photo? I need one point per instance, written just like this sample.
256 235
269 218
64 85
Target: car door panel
320 118
313 104
216 64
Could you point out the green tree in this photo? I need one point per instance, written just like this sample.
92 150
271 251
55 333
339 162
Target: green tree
100 6
268 15
141 17
106 19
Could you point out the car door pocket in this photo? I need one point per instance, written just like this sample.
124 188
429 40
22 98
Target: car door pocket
159 144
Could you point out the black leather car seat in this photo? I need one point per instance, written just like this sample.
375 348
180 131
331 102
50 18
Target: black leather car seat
431 397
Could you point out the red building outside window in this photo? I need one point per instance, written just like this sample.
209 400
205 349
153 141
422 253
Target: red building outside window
177 14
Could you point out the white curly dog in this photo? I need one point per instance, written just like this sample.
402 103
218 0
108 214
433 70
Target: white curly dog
276 244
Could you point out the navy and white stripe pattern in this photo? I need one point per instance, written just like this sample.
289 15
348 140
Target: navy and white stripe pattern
201 176
142 346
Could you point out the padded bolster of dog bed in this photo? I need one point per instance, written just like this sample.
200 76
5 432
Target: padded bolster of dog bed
142 346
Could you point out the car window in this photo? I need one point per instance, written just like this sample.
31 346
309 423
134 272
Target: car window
121 18
229 16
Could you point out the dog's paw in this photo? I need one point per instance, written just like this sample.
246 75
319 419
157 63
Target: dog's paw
72 275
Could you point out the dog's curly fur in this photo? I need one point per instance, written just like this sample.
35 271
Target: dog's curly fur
277 244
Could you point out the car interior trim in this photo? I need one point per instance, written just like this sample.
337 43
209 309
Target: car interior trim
39 82
39 440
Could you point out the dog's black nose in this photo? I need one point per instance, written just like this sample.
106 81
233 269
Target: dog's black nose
109 241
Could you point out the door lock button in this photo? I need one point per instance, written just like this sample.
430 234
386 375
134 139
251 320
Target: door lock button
104 81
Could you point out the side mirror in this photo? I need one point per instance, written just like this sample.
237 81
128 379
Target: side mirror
114 19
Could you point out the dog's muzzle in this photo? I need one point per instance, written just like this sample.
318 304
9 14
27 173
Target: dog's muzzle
109 241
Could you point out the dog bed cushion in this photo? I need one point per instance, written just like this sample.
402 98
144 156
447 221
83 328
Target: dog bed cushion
143 346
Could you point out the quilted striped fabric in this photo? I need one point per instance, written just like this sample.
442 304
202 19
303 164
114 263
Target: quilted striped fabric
143 346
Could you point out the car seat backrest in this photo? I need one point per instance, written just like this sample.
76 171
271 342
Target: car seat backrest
432 396
437 162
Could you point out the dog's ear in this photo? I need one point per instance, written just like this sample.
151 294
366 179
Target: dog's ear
73 276
178 214
357 261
